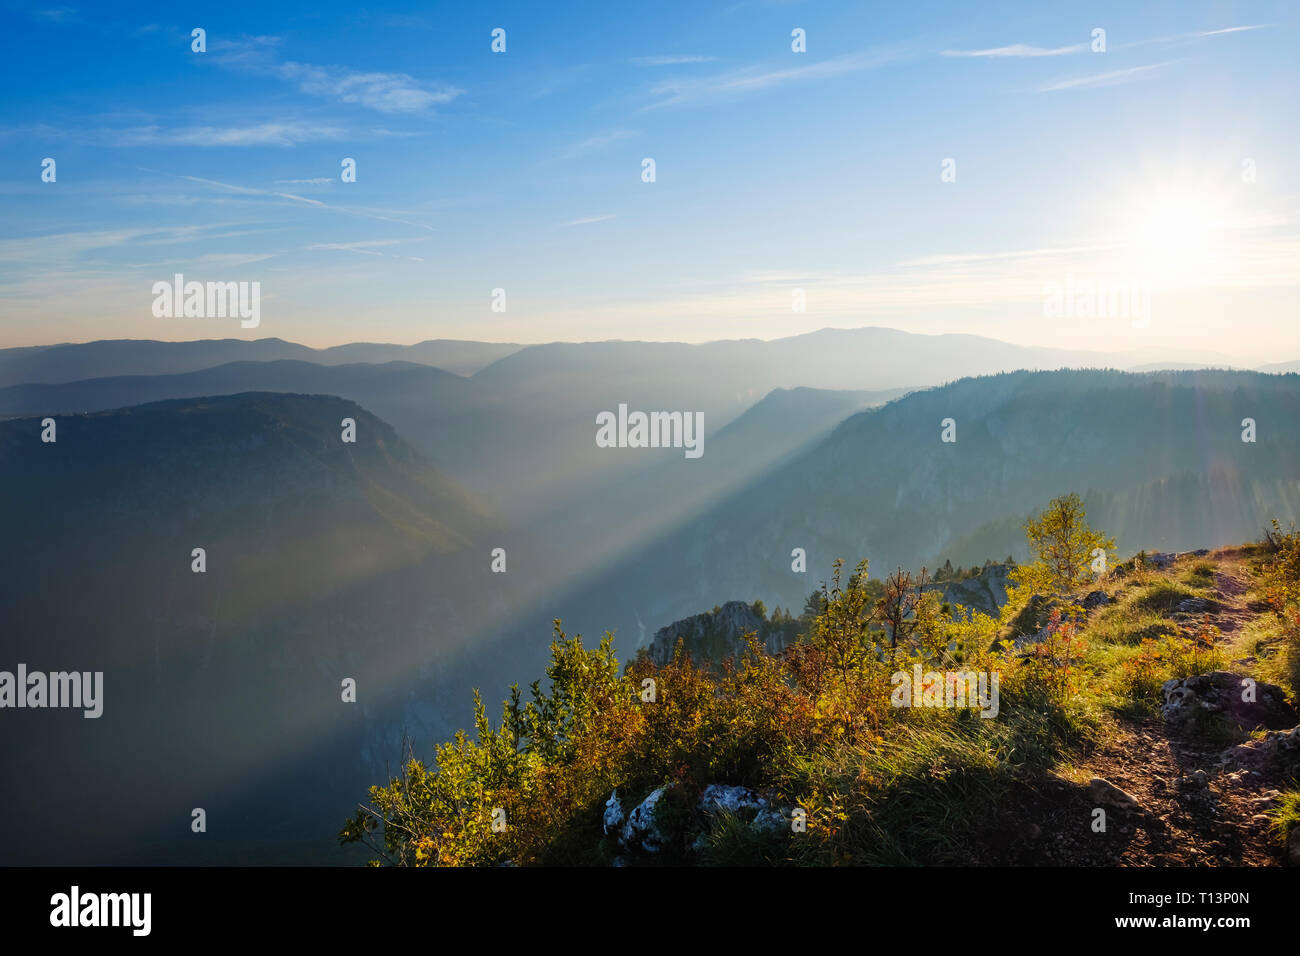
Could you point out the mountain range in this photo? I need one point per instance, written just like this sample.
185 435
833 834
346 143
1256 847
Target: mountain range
375 560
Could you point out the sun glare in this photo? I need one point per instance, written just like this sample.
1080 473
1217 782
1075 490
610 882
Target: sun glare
1176 234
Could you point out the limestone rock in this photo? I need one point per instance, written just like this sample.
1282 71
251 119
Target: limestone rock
713 635
641 832
1105 793
744 803
614 815
1096 599
1278 750
1221 692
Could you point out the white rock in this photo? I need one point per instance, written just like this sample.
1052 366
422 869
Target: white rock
641 831
614 814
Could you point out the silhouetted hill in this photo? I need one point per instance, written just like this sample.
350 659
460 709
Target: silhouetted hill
324 560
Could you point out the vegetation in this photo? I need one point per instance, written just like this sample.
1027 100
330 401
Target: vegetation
818 726
1068 551
1280 580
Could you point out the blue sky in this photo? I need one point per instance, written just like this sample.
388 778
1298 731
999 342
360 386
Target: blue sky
775 170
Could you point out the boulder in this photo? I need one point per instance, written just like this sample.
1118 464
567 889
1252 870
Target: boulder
1277 750
743 803
1222 692
614 815
1095 599
1105 793
1196 605
641 831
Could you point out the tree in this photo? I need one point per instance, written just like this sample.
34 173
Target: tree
1064 543
908 608
843 629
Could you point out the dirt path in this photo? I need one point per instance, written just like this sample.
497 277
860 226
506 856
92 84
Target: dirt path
1231 583
1191 813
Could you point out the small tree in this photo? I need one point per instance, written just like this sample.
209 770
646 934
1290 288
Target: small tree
1064 543
909 609
843 629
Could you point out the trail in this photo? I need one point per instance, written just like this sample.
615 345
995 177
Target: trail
1191 813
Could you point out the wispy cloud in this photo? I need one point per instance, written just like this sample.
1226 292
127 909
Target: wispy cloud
1095 80
367 247
248 190
376 90
260 134
754 78
670 59
1190 37
595 142
1019 49
294 198
385 92
1015 50
318 181
157 133
589 219
1256 26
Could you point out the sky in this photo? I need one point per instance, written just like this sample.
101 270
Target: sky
942 167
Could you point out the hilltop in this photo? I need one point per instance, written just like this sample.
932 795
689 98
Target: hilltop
1141 716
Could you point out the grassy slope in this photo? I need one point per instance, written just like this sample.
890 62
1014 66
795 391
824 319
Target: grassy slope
1016 791
906 786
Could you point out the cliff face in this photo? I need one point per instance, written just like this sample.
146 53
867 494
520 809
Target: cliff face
985 592
718 634
714 635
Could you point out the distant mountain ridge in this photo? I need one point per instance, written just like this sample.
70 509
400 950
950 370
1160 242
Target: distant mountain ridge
71 362
1157 456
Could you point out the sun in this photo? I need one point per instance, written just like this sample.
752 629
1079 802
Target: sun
1175 234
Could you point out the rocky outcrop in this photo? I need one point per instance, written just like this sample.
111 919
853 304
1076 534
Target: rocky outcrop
743 803
1196 605
985 592
714 635
642 831
1164 559
1248 704
1277 751
1095 599
648 830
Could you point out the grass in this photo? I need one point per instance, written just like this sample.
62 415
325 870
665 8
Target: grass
918 797
1286 816
1164 595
